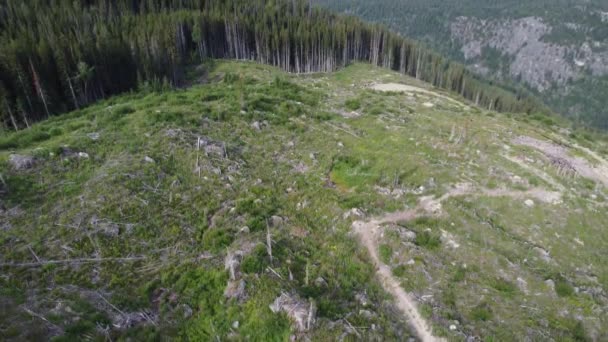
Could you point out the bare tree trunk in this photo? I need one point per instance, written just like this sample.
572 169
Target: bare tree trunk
40 90
10 113
269 244
24 114
27 97
72 91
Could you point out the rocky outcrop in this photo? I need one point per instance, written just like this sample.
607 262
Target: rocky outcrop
301 312
21 162
527 51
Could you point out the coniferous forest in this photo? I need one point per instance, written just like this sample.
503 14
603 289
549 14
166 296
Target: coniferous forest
65 55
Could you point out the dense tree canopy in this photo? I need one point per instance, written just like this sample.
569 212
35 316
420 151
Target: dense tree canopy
61 55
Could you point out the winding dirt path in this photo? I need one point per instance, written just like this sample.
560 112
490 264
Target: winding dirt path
369 232
368 235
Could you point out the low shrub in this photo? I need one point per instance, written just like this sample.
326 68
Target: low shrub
352 104
428 240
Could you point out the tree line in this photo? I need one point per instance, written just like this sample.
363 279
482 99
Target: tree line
62 55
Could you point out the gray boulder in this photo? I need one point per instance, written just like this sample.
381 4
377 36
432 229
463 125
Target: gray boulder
21 162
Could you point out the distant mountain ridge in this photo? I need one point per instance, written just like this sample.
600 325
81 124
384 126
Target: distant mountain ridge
559 49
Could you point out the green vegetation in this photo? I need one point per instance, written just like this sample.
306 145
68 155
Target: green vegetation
428 240
482 312
175 214
46 69
386 252
352 104
430 21
504 286
563 288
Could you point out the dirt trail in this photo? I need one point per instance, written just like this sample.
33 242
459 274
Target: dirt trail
369 232
368 235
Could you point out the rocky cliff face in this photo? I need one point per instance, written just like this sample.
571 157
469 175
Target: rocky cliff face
526 51
556 47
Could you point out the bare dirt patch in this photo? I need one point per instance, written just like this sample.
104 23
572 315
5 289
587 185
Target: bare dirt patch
535 171
404 88
582 166
398 87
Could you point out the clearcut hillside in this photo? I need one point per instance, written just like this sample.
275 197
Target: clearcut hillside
259 205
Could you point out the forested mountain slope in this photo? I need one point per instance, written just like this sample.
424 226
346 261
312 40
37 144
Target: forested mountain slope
68 54
557 48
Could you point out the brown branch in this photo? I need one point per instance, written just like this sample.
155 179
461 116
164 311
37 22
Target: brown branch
70 261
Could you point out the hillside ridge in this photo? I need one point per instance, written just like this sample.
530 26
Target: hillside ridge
258 204
115 47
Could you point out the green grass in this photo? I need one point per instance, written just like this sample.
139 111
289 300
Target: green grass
386 252
428 240
481 312
352 104
563 288
309 166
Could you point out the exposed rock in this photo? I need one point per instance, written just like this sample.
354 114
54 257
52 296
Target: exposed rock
149 160
187 311
354 212
83 155
235 324
529 203
382 190
301 312
256 125
214 148
232 264
543 254
449 240
276 221
366 314
107 228
406 234
172 133
523 40
300 168
320 282
362 298
244 230
67 152
522 285
550 284
93 136
235 289
131 319
21 162
453 327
